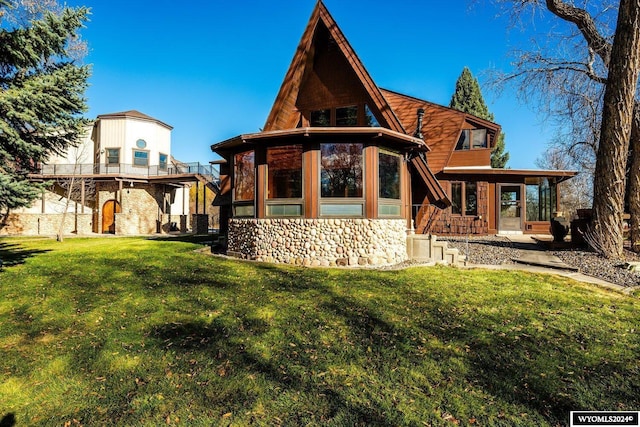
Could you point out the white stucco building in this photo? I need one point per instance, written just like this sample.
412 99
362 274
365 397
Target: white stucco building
121 179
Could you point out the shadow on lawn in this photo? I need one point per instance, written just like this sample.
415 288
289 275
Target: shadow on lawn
8 420
540 371
13 254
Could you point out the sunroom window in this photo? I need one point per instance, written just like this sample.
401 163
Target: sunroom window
284 181
244 183
341 179
389 184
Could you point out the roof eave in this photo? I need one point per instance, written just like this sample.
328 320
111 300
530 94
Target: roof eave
371 132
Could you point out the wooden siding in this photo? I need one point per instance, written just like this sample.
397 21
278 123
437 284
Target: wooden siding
311 164
448 223
371 181
331 82
470 158
321 35
440 127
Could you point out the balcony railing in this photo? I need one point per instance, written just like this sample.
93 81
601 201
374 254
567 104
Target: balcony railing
205 170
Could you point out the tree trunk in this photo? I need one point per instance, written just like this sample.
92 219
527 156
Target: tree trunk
633 184
605 234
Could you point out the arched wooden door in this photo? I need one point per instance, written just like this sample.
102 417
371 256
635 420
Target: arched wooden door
109 211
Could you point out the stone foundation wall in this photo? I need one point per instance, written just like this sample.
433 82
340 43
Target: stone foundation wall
25 224
319 242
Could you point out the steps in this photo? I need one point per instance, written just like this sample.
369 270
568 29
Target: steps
428 249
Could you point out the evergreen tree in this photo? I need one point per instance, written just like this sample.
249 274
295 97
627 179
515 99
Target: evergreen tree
468 99
41 97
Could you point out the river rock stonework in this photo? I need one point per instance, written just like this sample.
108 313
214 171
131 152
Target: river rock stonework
319 242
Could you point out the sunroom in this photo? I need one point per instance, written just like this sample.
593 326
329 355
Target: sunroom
320 195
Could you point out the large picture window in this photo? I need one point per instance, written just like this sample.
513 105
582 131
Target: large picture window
341 170
464 198
244 176
284 179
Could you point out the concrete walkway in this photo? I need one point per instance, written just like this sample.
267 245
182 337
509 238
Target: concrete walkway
535 259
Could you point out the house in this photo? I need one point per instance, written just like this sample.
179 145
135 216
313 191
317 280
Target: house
344 170
121 179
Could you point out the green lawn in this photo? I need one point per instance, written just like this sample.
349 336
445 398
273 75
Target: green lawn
146 332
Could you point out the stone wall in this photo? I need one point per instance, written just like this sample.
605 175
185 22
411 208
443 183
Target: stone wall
319 242
25 224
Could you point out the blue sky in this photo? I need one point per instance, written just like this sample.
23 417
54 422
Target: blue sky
212 69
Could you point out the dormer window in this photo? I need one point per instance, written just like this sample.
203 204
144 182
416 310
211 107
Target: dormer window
472 139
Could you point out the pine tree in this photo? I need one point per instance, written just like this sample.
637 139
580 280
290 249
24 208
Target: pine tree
468 99
41 97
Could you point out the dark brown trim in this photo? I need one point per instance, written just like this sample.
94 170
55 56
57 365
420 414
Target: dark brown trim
439 195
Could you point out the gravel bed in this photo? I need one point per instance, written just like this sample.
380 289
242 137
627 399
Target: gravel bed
497 250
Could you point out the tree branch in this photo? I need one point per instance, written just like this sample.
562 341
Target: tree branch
587 26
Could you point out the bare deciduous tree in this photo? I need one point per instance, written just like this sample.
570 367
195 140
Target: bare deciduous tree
589 75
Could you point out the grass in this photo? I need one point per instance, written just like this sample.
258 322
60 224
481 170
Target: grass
148 332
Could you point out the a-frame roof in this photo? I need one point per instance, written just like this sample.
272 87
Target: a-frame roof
284 114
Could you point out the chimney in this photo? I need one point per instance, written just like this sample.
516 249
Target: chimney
418 132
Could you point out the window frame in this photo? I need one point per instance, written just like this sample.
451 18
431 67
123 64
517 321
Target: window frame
464 199
469 146
333 115
384 202
331 203
243 204
163 166
550 199
346 108
284 203
107 157
137 150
